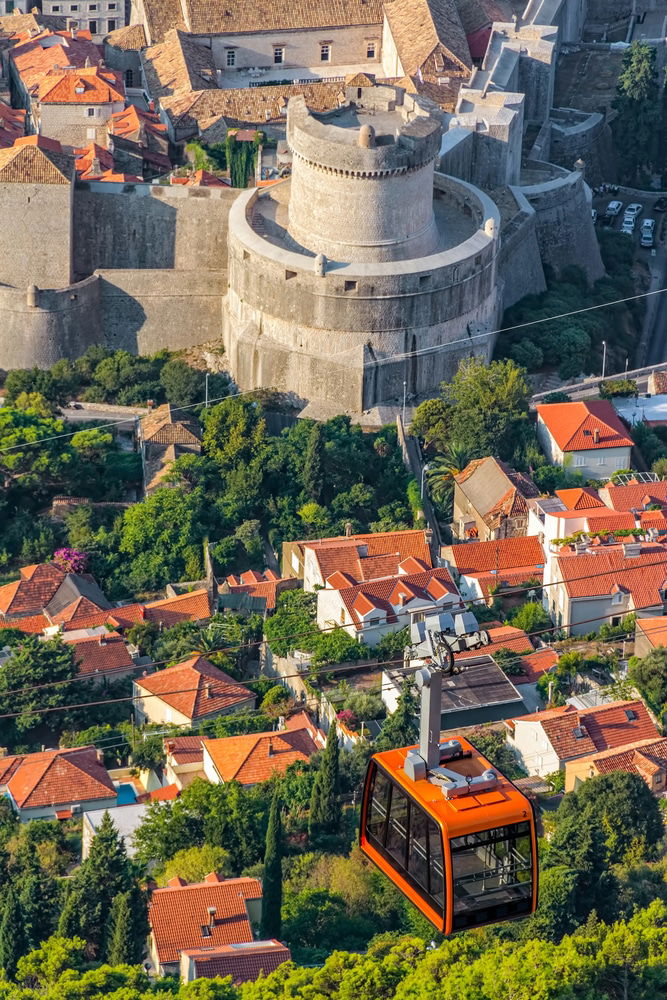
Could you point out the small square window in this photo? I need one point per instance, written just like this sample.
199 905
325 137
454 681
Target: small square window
111 25
90 112
231 57
325 52
370 50
74 8
112 6
92 6
56 8
92 27
278 54
350 286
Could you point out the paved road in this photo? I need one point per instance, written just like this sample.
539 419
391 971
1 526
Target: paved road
656 312
122 416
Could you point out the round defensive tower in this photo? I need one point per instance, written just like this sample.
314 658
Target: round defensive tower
367 272
362 185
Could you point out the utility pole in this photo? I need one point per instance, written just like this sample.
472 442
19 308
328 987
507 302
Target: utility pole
604 356
206 383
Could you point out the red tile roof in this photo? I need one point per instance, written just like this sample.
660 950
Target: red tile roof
534 662
34 57
165 794
395 591
266 585
72 613
602 519
642 757
33 591
580 498
255 757
32 623
196 689
573 425
12 124
184 749
243 962
56 777
596 572
178 913
168 611
84 85
505 579
501 554
655 630
636 496
102 655
577 732
130 122
354 555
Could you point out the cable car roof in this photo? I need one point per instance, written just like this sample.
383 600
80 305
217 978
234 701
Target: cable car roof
470 813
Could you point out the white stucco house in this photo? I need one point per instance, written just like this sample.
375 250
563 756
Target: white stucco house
589 437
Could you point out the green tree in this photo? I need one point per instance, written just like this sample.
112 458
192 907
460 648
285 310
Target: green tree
650 675
531 617
272 879
638 106
13 940
443 469
34 663
325 810
490 407
313 466
401 729
194 863
431 421
128 928
182 384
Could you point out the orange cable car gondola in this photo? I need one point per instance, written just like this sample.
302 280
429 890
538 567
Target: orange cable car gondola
455 836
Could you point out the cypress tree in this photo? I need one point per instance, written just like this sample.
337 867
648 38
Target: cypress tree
325 811
128 928
313 465
13 942
272 882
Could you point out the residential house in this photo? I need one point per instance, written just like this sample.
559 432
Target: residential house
244 962
139 142
483 569
178 64
481 693
93 163
97 17
56 784
589 436
255 757
591 583
369 611
127 820
188 693
211 913
267 585
184 760
650 633
75 104
545 741
490 501
645 758
35 54
635 496
100 654
164 435
121 51
360 557
52 593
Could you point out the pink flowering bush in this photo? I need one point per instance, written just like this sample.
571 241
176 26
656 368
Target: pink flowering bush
71 560
348 718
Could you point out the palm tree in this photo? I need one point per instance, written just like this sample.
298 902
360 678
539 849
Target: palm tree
443 468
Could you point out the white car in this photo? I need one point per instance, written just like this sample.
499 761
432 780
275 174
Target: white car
634 210
648 225
614 208
628 227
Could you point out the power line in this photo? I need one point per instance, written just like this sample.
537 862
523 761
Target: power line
314 632
389 359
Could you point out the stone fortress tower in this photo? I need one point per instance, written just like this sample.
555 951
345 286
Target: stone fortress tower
366 269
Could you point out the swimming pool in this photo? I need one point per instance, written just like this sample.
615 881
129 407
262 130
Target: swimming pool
126 795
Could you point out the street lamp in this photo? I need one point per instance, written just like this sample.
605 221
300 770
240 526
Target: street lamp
206 380
424 470
604 356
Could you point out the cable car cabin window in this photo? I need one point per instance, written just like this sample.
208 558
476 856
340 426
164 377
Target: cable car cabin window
406 837
492 875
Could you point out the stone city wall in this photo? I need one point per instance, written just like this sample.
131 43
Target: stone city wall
519 263
150 226
36 236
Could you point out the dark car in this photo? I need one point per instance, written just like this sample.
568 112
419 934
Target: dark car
660 205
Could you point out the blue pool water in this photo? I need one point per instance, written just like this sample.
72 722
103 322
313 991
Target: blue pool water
126 795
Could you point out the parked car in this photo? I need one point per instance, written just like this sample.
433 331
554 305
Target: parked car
634 210
628 225
647 238
614 208
73 405
660 205
648 225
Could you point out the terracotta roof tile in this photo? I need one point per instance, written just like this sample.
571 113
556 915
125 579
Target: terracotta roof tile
505 579
203 109
236 16
633 757
84 85
261 586
160 17
385 594
34 56
178 65
12 124
358 556
635 496
33 590
168 425
34 164
576 733
655 630
594 573
103 655
177 914
573 425
501 554
129 38
184 749
165 794
580 498
196 689
194 606
253 758
34 624
425 30
243 962
58 777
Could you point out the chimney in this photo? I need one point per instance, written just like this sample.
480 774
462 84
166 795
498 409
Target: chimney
209 690
95 167
211 916
348 529
596 436
102 641
87 62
